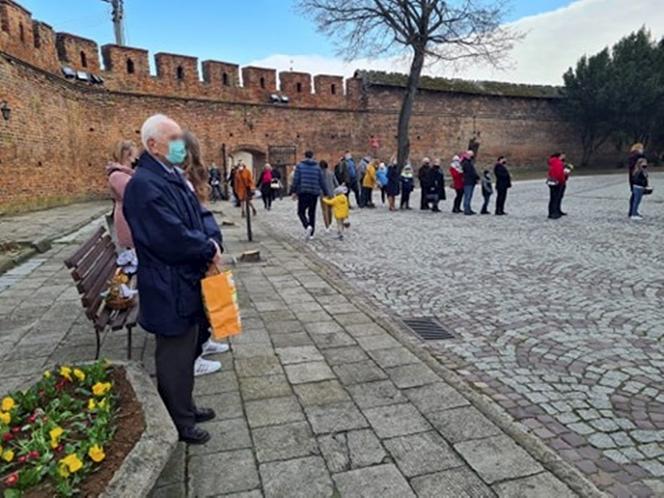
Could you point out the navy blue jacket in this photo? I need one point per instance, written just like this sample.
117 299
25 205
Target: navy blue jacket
172 246
309 179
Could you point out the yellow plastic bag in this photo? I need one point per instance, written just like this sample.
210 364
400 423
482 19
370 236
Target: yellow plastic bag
220 299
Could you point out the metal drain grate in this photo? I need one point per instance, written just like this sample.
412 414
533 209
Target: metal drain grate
428 329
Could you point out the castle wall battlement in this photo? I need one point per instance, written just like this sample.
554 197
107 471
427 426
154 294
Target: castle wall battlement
127 69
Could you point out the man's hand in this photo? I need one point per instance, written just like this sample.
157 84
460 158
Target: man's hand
217 256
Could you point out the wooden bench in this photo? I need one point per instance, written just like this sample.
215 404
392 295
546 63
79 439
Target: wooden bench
92 267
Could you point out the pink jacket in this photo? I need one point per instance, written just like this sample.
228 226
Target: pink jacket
118 178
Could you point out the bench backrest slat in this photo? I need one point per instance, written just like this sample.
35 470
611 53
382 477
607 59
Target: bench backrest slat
89 260
75 258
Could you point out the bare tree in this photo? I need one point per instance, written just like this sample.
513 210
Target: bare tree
430 30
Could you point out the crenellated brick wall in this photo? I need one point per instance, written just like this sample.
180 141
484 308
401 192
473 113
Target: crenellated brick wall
55 145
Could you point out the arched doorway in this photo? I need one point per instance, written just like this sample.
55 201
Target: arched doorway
253 157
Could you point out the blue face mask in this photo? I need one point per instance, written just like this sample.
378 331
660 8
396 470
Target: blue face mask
177 152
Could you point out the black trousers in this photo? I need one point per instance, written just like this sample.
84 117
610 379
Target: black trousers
405 198
555 198
500 200
306 210
175 375
217 194
367 193
352 187
266 195
457 200
485 205
424 203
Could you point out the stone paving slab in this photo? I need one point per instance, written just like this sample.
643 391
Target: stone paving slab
294 420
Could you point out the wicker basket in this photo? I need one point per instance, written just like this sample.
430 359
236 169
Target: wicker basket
121 303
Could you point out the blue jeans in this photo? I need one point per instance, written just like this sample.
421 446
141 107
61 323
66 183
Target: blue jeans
467 198
637 195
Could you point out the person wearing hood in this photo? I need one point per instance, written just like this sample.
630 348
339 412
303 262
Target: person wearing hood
470 179
308 185
368 184
503 183
392 187
487 191
331 183
119 172
340 208
422 175
407 186
556 181
456 172
381 178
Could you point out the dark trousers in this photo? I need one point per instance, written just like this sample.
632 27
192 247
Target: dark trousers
424 205
366 196
383 194
217 194
175 375
203 335
352 187
555 198
266 195
405 199
485 205
500 200
457 200
306 210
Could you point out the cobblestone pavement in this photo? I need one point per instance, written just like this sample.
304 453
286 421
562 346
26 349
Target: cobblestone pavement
560 322
316 399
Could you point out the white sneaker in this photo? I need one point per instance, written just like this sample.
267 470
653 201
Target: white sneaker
309 232
636 217
204 367
211 347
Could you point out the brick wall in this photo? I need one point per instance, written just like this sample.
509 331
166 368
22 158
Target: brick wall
61 132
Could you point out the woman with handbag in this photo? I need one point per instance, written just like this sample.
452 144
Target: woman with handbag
639 188
265 186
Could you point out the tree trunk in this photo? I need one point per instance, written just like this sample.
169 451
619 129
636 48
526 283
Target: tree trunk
403 143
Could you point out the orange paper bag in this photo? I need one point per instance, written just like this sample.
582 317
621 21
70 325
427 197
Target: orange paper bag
220 299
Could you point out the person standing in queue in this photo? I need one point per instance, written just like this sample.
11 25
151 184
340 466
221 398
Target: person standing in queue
503 183
456 172
174 254
556 181
470 179
407 186
422 175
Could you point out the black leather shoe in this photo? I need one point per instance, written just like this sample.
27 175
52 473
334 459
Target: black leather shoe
204 415
194 435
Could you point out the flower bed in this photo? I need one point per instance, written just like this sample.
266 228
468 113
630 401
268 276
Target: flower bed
68 433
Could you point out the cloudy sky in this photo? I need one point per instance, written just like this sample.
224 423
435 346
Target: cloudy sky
270 33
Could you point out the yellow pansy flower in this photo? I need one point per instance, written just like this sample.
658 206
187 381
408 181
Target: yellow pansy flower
8 456
92 404
5 418
103 404
101 388
7 404
56 433
66 373
47 374
79 374
72 462
96 453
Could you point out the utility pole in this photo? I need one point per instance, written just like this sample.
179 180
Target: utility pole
118 20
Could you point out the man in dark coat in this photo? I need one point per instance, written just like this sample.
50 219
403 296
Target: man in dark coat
422 176
435 186
470 179
308 185
173 253
503 183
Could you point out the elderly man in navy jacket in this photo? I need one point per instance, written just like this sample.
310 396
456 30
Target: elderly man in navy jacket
173 255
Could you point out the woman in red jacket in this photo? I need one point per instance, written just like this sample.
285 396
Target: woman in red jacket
457 183
556 182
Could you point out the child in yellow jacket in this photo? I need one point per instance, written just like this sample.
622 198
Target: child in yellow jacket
340 208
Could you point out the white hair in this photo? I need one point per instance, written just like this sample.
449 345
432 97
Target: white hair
152 128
